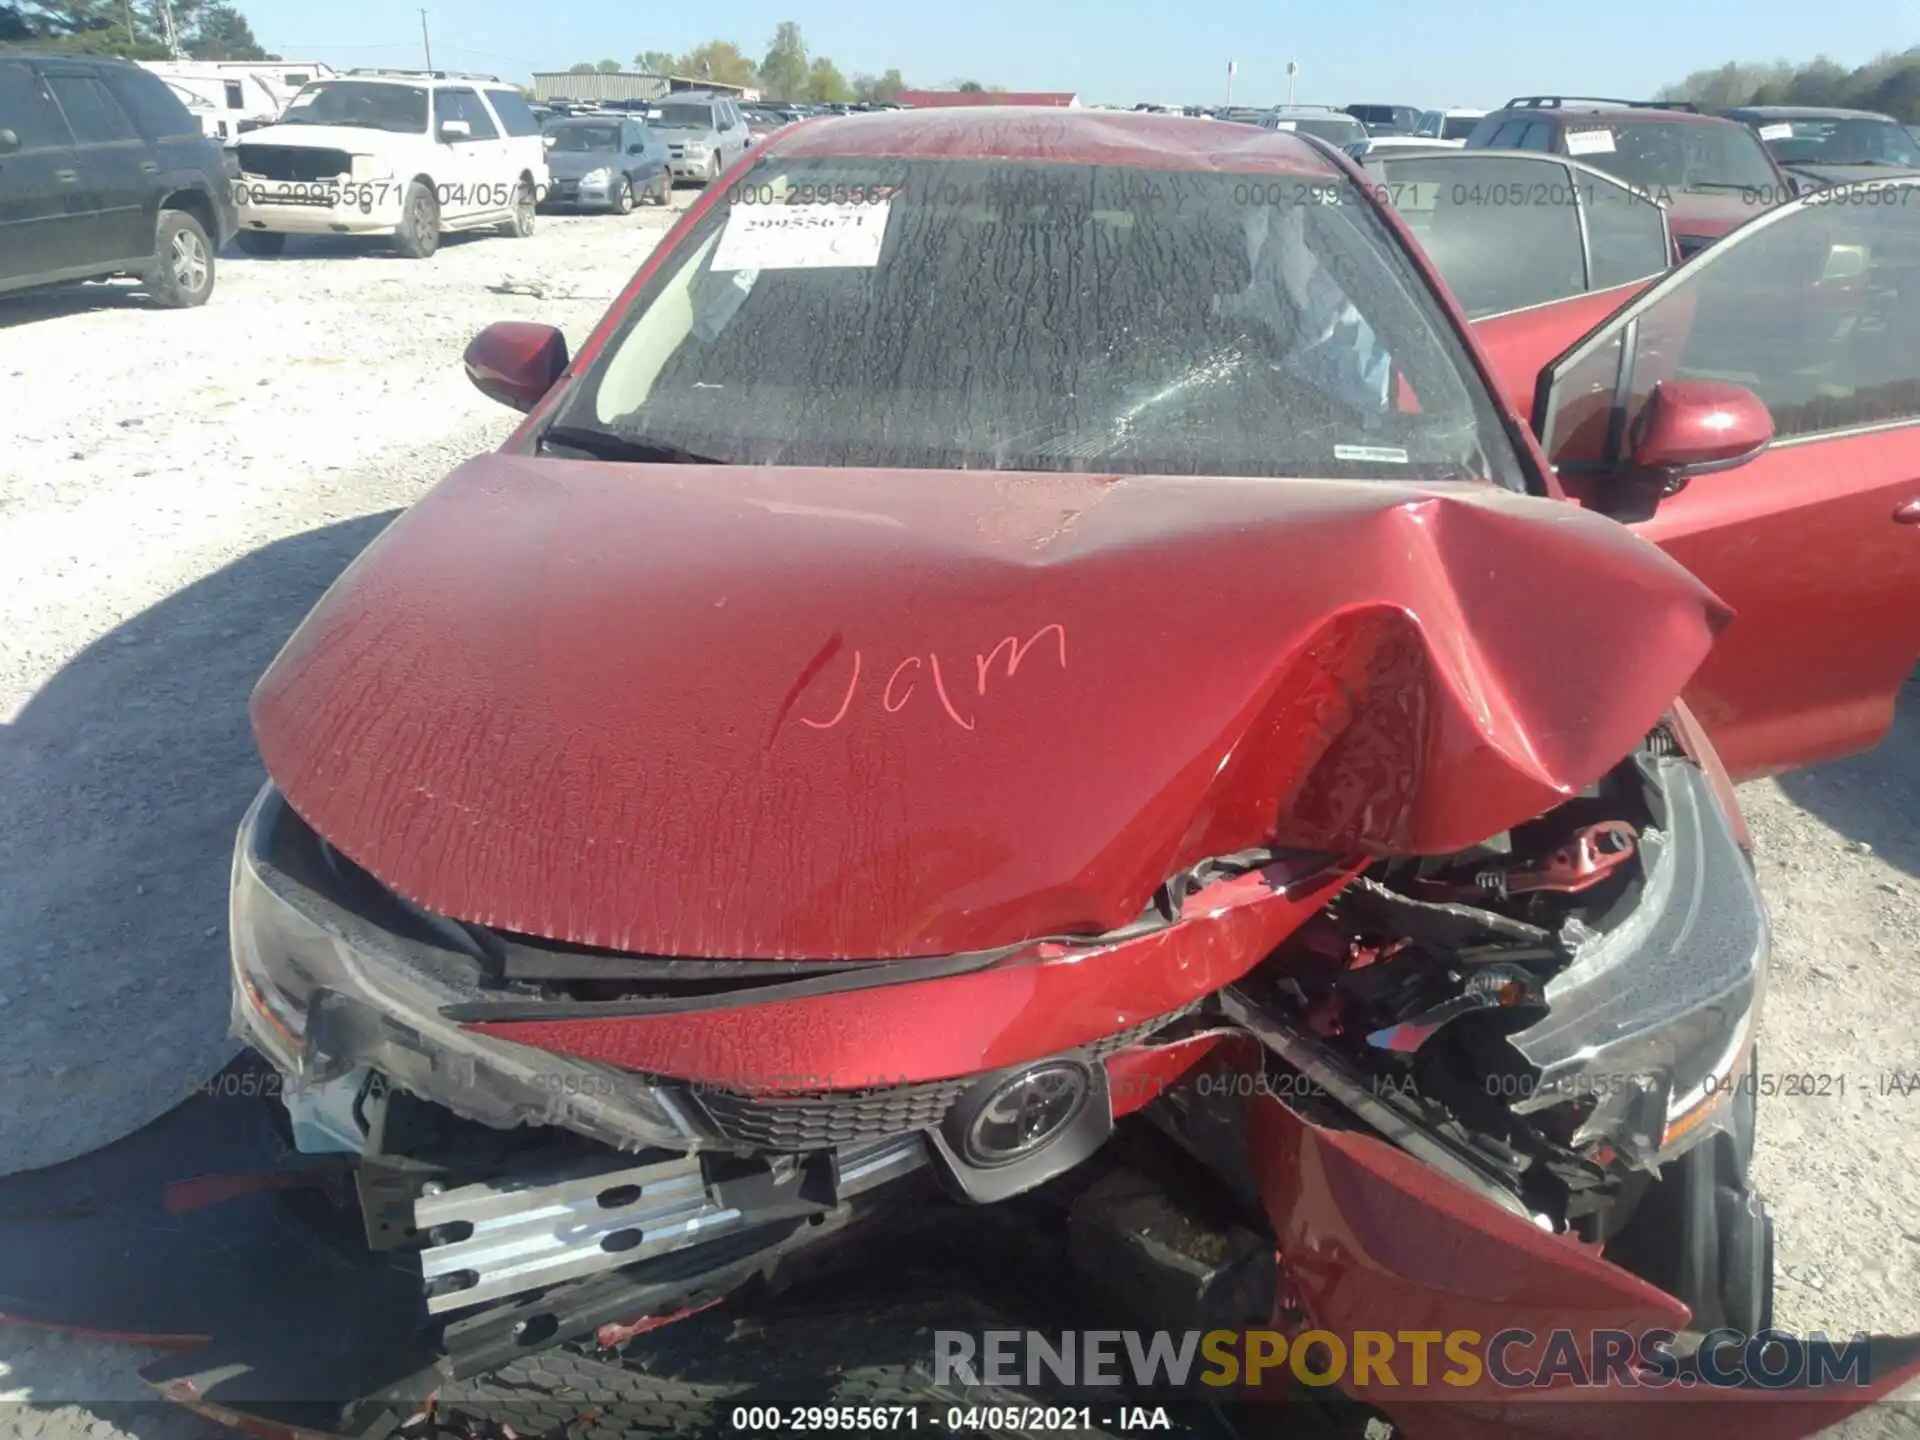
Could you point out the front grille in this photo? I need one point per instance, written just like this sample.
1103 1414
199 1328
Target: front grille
293 162
817 1119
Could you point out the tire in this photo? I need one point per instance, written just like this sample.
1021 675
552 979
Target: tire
525 203
261 242
687 1378
713 170
665 196
623 196
418 234
183 263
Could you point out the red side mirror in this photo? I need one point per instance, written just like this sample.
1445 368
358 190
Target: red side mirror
1696 427
515 362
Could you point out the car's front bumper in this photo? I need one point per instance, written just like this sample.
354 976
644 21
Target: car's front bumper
327 208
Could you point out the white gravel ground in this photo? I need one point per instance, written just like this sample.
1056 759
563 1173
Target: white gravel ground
176 489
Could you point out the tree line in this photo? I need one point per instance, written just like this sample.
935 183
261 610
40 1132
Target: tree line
788 70
1889 84
130 29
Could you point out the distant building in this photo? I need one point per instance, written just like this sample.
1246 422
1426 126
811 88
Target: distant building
623 85
939 99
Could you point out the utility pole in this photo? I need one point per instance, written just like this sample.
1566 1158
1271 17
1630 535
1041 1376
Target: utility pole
1293 69
426 43
169 34
1230 70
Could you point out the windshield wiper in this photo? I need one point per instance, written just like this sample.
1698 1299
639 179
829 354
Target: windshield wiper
1692 185
605 445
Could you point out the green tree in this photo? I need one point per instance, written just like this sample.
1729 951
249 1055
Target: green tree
825 82
970 87
655 62
1889 83
221 32
719 61
581 67
608 67
784 73
886 86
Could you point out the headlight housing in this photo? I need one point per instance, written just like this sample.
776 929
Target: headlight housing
597 176
321 989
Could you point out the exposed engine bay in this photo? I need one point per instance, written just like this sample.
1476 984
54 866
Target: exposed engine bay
1487 999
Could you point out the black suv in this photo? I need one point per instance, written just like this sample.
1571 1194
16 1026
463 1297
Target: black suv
104 172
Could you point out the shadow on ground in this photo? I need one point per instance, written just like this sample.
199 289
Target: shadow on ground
122 782
1873 797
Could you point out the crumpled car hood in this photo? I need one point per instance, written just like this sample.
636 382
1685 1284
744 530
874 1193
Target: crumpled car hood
785 713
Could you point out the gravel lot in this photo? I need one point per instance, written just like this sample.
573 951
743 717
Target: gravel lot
176 489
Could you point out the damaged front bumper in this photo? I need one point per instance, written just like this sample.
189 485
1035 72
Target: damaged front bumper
354 996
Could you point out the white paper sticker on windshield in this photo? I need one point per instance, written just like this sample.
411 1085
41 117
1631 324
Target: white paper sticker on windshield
1776 132
802 237
1371 454
1590 142
1286 125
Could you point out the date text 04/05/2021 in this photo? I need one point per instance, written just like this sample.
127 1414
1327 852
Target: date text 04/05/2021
953 1419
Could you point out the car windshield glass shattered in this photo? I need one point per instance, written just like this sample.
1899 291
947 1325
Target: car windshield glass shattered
1841 142
363 105
682 117
584 139
993 315
1674 155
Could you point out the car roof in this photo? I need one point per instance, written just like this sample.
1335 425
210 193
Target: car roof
1322 112
52 58
1128 138
1593 110
1805 112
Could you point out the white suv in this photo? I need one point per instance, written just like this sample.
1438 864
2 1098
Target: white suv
408 153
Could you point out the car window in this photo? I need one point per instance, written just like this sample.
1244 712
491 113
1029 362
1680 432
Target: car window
1627 235
583 139
1808 308
1537 136
1503 233
1670 156
93 115
460 104
516 116
1507 135
26 110
1840 142
361 104
155 105
1459 127
236 95
679 115
935 314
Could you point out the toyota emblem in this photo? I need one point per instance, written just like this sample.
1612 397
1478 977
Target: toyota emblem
1026 1112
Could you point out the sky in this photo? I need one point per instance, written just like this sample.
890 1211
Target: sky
1123 51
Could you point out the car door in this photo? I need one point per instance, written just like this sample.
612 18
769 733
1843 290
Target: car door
1523 240
733 134
1815 309
472 161
42 208
520 135
119 177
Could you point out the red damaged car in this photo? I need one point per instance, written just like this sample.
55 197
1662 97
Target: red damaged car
1027 669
